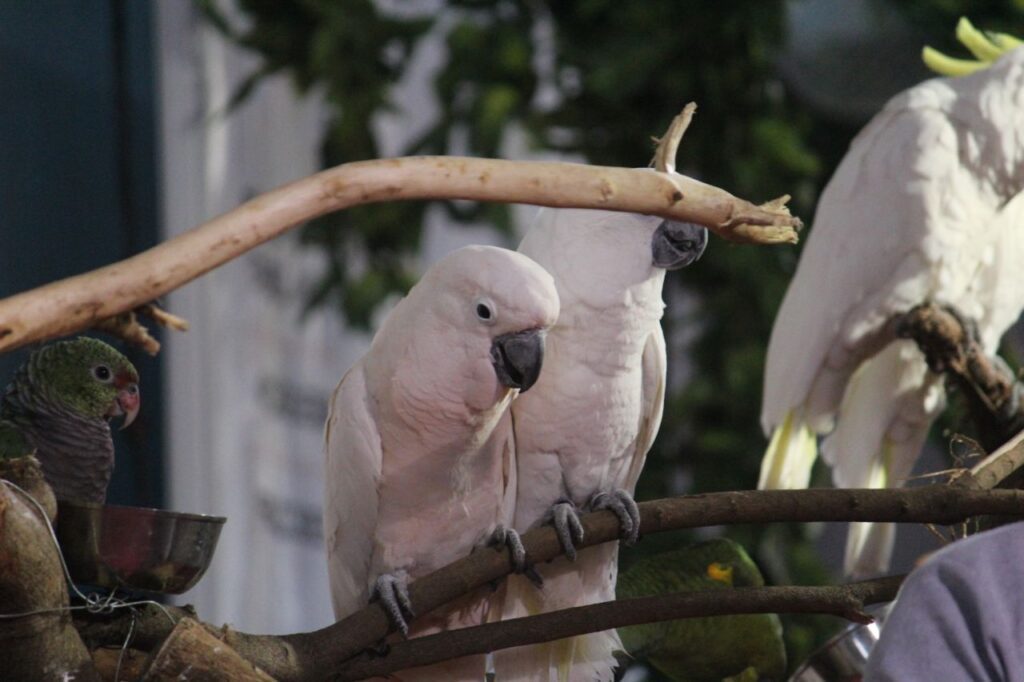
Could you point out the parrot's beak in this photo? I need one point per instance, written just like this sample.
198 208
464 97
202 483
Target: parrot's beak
676 245
517 358
126 404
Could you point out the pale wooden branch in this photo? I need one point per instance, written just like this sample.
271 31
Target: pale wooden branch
664 160
845 601
304 656
78 302
997 467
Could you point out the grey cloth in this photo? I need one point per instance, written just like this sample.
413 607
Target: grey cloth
960 616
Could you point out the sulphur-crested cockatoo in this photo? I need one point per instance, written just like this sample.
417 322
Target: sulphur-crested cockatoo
584 430
927 206
420 464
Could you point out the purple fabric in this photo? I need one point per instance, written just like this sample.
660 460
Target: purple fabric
960 616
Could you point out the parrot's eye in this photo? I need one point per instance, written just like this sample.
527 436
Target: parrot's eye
102 373
485 310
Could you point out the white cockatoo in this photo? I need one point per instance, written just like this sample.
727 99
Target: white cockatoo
584 430
927 206
420 465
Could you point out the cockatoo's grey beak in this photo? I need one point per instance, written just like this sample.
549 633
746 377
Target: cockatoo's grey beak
126 404
517 358
676 245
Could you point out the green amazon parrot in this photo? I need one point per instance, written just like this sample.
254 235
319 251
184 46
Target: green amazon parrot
58 407
742 647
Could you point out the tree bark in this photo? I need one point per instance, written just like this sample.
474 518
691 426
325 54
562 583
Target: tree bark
79 302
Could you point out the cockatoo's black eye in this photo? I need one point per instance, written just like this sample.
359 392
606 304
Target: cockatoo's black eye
102 373
485 310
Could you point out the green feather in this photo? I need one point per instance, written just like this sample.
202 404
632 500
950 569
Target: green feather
13 443
712 648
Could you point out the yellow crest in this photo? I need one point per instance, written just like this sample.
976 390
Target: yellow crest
984 45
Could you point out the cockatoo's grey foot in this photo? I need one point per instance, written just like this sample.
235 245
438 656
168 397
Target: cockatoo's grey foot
622 503
507 537
566 520
392 591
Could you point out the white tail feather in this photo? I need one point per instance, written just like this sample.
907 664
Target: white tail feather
585 658
790 456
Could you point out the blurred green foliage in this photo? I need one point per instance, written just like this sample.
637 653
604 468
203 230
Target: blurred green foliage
599 78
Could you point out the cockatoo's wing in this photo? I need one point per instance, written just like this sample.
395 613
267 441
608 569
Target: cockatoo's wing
897 225
352 473
653 400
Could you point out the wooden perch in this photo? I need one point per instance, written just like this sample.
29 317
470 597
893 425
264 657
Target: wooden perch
44 646
309 656
82 301
997 467
845 601
192 652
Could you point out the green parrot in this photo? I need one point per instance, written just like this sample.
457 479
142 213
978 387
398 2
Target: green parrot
742 647
58 407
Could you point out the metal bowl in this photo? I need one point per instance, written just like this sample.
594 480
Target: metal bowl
136 548
844 657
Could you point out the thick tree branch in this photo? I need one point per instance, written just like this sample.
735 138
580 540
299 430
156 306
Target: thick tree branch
845 601
78 302
304 656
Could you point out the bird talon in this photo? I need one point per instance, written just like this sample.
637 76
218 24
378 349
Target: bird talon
392 591
625 507
564 517
507 537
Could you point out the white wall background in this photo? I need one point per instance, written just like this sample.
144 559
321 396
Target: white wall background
247 386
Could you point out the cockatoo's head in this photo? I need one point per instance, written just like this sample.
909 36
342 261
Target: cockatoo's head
86 377
676 245
598 256
502 304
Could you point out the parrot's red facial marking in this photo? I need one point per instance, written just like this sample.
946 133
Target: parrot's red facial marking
128 399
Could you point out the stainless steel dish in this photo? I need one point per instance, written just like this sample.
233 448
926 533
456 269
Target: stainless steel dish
134 547
844 657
